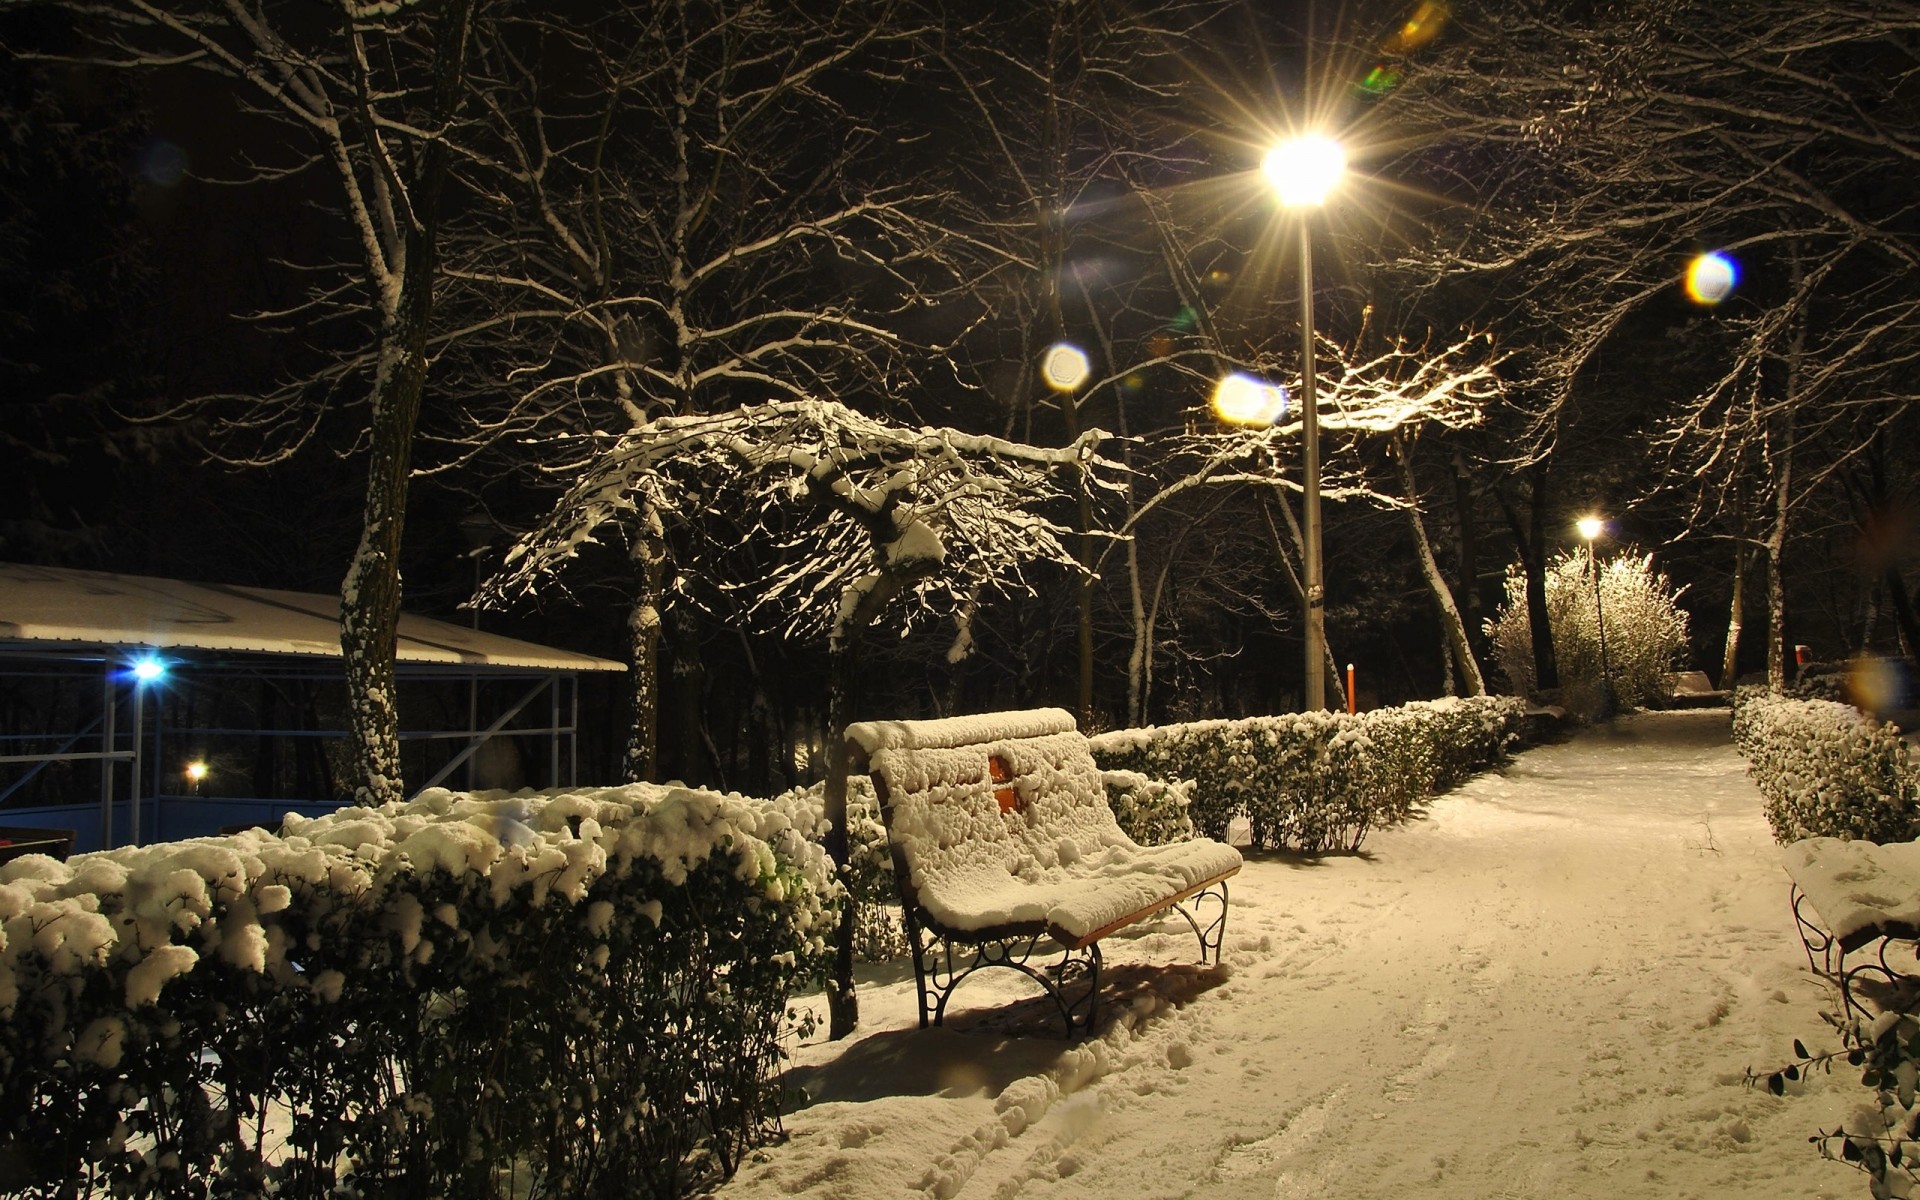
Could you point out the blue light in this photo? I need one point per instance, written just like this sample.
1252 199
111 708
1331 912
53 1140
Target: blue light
148 669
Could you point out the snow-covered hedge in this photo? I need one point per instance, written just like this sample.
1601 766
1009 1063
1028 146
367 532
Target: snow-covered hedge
1319 780
459 996
1825 770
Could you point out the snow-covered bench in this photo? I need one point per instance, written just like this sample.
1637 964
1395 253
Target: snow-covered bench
1851 896
1002 838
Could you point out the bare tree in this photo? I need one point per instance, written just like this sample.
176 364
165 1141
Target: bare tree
370 98
1603 148
849 519
688 207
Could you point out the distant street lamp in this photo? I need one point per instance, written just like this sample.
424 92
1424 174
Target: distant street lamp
1303 173
1591 528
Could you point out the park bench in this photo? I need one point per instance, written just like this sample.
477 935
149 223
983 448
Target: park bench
1856 898
1002 840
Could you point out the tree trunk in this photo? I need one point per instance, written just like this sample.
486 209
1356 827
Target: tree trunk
1336 686
1450 623
1729 663
1903 614
1776 585
843 1005
370 593
1468 543
641 760
1530 537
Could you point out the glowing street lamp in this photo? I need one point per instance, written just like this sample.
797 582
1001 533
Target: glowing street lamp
196 774
1591 528
1303 173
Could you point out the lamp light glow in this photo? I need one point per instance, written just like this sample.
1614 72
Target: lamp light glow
196 771
1590 527
1243 400
148 669
1303 171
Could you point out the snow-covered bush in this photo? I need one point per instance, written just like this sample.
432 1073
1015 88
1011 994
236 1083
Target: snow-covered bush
1825 770
878 934
1646 633
461 995
1318 780
1151 811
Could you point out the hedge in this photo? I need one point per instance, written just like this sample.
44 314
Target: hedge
1826 770
546 994
1315 781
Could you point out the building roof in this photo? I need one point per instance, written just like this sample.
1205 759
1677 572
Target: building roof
66 607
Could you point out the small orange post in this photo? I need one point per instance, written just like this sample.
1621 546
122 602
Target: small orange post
1350 700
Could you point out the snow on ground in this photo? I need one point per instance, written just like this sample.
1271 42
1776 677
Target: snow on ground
1551 985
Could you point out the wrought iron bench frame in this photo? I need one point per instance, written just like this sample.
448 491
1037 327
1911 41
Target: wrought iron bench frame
945 957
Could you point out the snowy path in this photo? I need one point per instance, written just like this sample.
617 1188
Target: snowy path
1550 986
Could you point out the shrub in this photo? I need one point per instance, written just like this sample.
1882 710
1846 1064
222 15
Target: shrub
1646 633
1151 811
878 934
1318 780
1825 770
539 994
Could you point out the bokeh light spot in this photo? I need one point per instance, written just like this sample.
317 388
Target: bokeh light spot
1422 27
1063 367
1711 278
1243 400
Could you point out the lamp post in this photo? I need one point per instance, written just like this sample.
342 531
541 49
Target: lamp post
1591 528
147 669
1303 172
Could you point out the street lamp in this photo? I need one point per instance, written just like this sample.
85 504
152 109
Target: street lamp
1591 528
1303 173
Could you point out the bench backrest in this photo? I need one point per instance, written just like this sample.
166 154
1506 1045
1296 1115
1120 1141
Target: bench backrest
935 780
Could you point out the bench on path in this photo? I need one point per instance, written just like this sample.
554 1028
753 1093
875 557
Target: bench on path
1855 896
1002 838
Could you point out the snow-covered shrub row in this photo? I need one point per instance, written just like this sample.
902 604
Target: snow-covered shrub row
1318 780
1826 770
461 995
1645 630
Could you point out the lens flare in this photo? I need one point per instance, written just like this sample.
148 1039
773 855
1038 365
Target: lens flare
1710 278
1243 400
1422 27
148 669
1063 367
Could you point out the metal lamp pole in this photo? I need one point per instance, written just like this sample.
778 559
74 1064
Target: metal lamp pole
1303 172
1590 528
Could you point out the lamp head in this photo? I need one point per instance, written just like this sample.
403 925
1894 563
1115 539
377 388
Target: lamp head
1590 527
1303 171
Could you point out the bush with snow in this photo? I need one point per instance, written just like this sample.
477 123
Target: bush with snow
1645 631
878 934
1315 781
1826 770
461 995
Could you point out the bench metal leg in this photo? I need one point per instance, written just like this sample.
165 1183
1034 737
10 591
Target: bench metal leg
941 965
1814 939
1214 932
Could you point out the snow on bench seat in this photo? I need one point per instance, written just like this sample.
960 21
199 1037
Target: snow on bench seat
1861 891
1055 861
